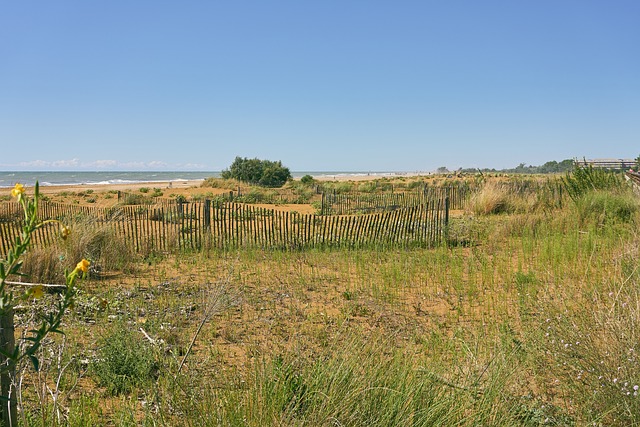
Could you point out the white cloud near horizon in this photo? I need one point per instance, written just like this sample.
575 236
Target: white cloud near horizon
103 164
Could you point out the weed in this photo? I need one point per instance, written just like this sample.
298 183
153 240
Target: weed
124 361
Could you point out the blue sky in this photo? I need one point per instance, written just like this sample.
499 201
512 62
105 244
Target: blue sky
320 85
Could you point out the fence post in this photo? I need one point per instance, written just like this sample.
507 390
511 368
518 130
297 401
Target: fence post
446 217
207 214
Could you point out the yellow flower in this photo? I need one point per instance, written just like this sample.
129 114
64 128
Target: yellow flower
83 266
64 232
17 190
36 292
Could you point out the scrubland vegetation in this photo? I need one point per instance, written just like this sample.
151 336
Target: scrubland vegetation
527 316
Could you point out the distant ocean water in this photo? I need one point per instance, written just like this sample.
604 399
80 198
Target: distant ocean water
9 179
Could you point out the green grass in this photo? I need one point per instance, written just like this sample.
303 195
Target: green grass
531 318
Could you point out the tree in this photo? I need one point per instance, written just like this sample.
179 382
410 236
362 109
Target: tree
258 172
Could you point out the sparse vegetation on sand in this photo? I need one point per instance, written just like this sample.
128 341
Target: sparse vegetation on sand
527 316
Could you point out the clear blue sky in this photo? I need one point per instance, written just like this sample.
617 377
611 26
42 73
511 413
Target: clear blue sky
321 85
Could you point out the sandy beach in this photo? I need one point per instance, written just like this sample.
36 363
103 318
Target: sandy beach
107 194
163 185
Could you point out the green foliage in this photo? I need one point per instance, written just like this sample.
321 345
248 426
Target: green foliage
307 180
265 173
124 362
602 208
552 166
585 179
256 195
135 199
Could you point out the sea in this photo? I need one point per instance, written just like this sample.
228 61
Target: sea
29 178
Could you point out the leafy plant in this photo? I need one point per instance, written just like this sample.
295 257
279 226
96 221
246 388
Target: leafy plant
584 179
124 361
307 180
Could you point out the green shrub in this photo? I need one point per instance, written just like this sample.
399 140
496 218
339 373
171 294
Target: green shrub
585 179
265 173
368 186
144 190
307 180
257 196
134 199
125 361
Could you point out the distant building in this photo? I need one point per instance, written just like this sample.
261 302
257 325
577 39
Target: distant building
623 164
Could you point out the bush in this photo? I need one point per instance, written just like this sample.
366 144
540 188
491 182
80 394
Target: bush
583 180
258 172
307 180
135 199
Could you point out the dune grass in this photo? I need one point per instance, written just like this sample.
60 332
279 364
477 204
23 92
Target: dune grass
532 321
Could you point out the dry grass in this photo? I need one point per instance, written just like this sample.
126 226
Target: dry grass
442 336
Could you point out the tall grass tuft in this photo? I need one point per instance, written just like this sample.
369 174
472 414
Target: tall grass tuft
492 198
97 243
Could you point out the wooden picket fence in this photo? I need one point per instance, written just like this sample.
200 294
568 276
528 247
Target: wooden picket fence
350 203
214 224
